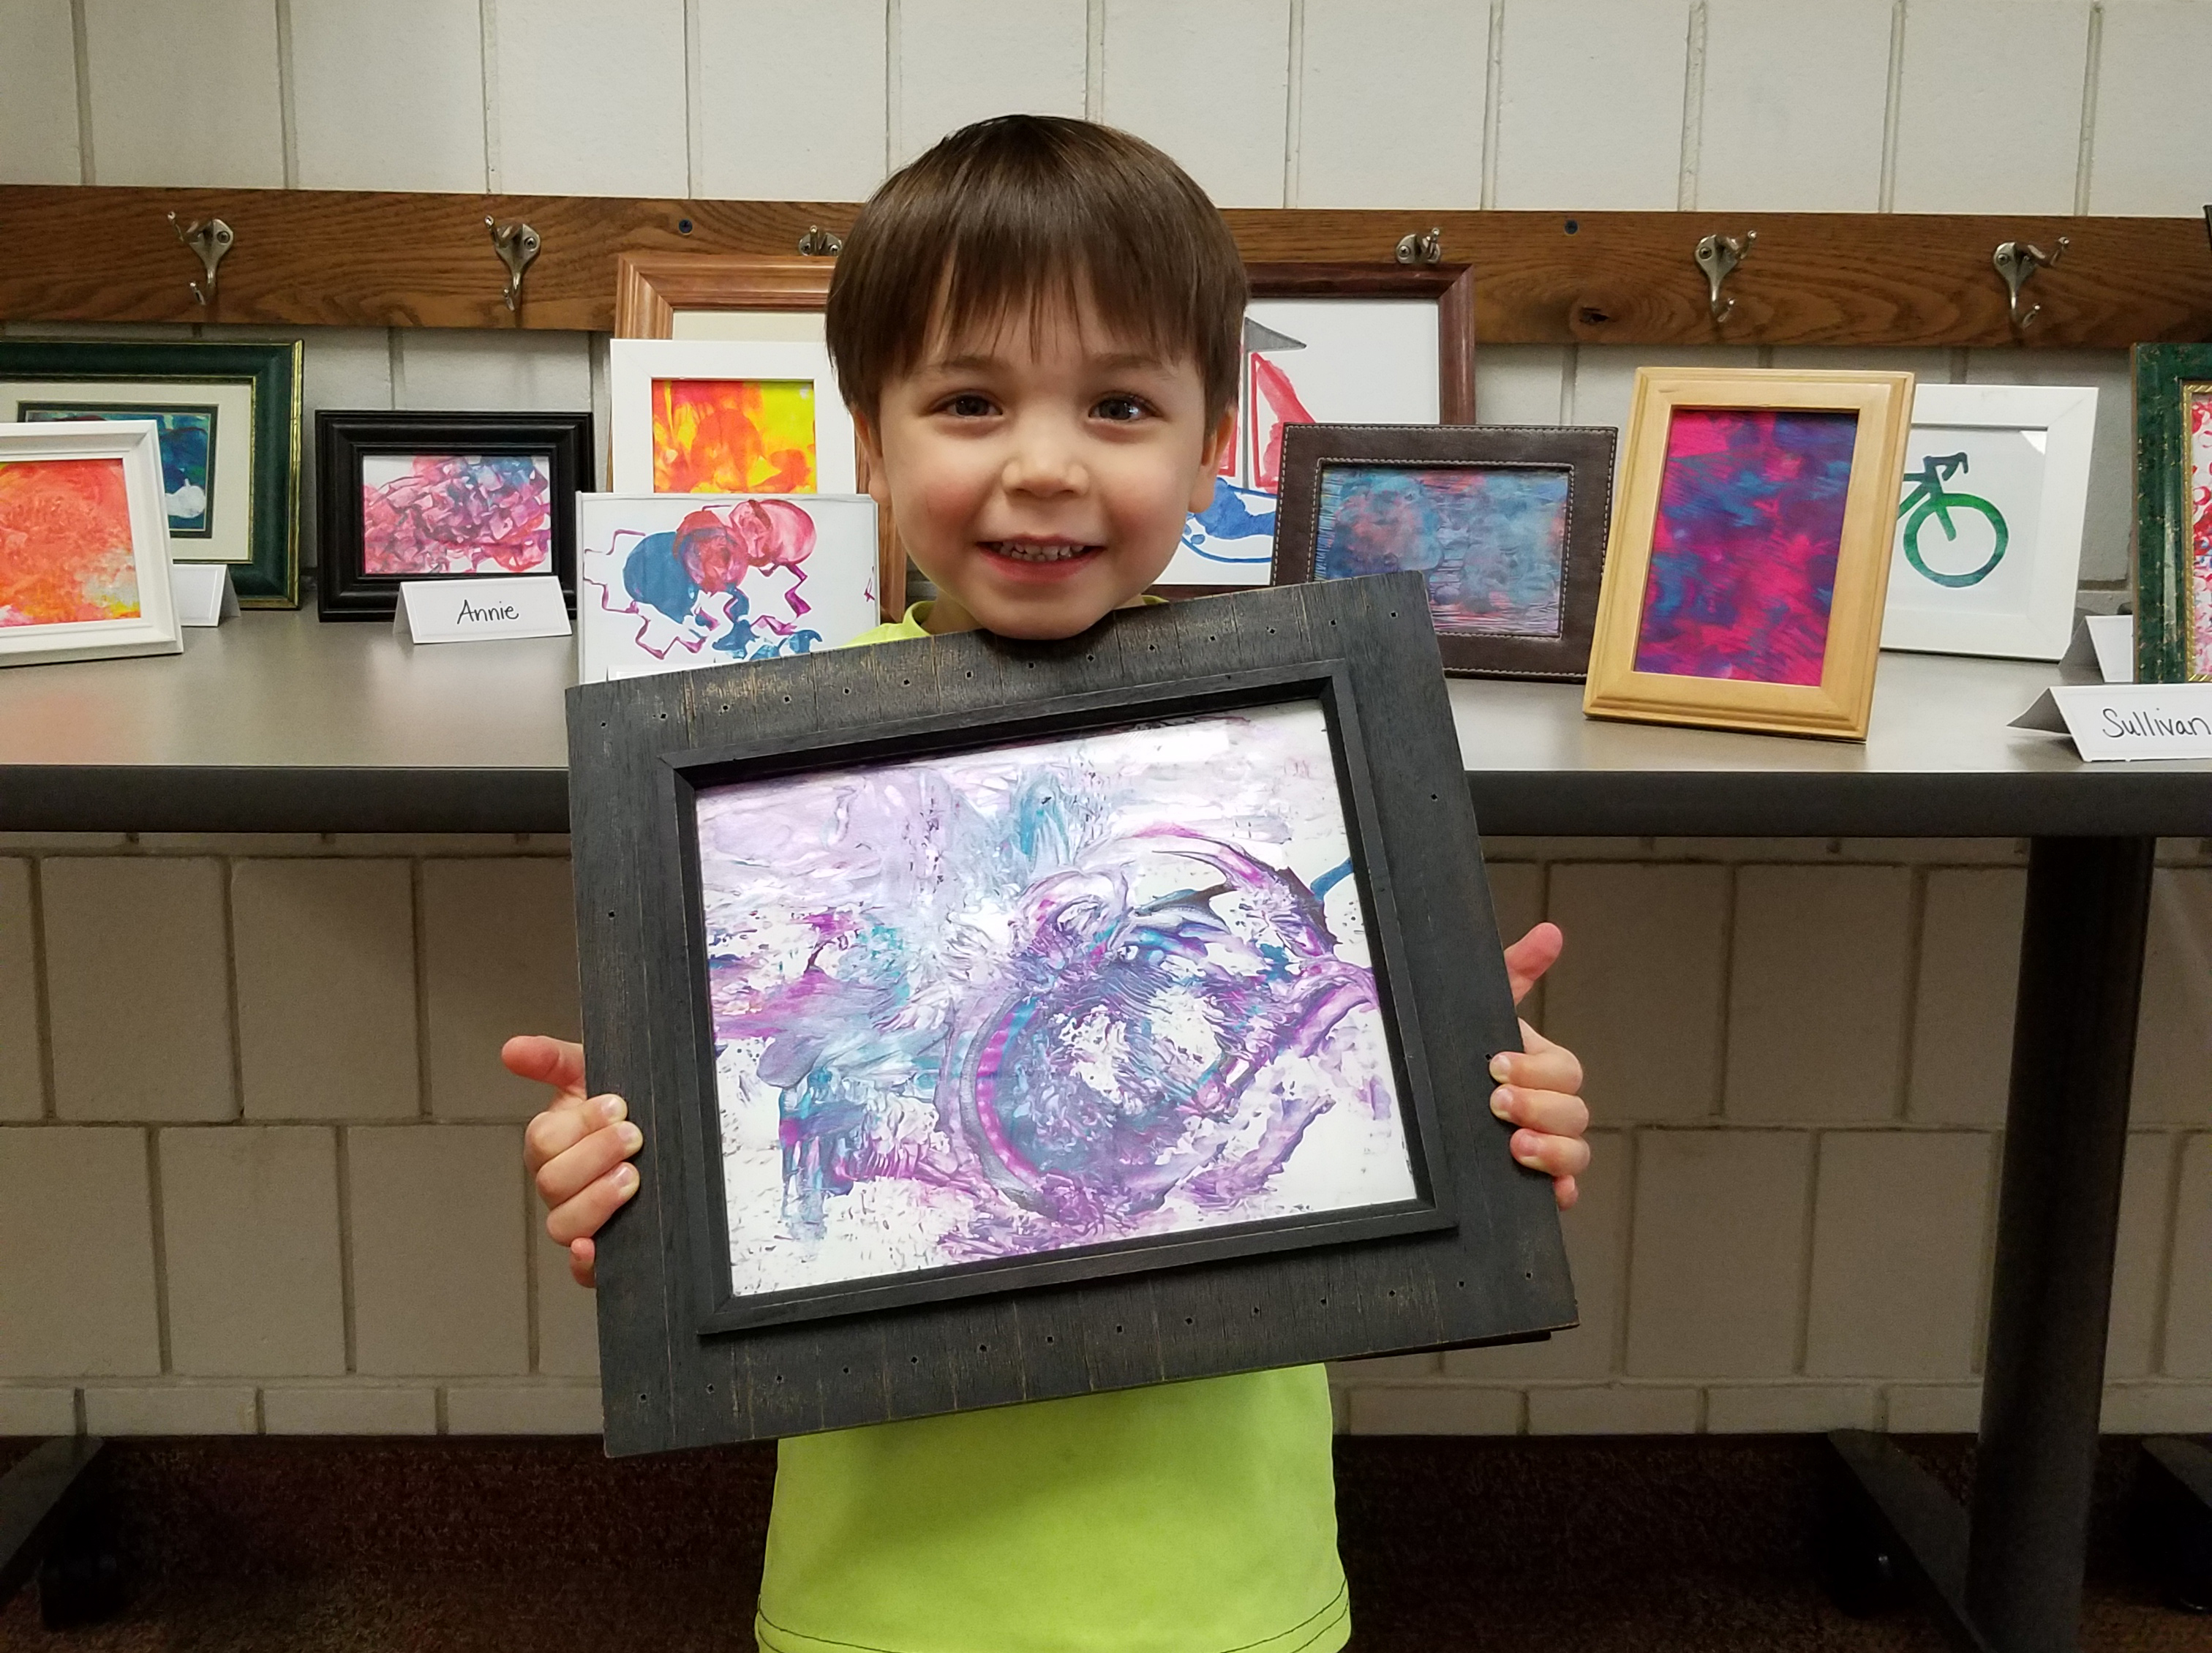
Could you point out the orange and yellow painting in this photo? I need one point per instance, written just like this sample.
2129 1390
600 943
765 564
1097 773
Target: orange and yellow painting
732 436
65 543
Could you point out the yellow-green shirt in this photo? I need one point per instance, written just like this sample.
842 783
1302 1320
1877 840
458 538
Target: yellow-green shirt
1195 1517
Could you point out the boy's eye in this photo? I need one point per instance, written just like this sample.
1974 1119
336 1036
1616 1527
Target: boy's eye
1122 410
969 405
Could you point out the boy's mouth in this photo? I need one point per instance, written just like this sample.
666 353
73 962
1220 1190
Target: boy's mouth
1039 551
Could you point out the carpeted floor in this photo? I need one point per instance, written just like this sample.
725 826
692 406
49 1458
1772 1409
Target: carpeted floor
1677 1546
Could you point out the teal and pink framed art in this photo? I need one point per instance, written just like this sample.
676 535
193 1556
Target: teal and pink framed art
2173 512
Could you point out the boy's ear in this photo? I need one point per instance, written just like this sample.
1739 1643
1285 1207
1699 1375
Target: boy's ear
871 444
1216 444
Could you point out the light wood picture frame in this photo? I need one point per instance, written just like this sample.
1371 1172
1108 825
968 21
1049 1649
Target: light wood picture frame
1754 517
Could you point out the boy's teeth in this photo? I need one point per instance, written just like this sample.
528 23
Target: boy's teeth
1032 553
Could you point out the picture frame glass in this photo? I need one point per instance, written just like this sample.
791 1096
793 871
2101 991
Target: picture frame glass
733 435
444 513
1091 990
70 559
1491 541
1745 545
2194 620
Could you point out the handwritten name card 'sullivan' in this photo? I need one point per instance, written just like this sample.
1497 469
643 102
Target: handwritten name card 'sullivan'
2154 726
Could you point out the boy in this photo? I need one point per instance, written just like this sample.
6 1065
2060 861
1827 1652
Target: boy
1038 327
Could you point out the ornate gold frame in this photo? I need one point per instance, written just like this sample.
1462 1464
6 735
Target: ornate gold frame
1836 707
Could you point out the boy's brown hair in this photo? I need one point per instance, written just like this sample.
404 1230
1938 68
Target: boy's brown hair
1032 212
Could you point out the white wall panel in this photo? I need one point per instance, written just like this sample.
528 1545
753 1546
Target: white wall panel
2108 526
963 60
1390 103
389 96
1209 84
37 93
2154 122
1795 92
438 369
1989 107
591 97
185 95
1605 374
791 100
1590 104
1519 384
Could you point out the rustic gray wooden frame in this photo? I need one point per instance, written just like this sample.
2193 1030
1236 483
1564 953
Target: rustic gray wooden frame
1481 1262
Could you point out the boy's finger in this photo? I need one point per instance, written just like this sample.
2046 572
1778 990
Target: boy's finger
582 1218
1526 959
1555 1113
569 1172
556 1062
582 1264
1549 1067
1555 1156
1565 1192
565 1124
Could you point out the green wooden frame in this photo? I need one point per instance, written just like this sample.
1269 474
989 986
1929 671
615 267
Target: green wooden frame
271 577
2164 375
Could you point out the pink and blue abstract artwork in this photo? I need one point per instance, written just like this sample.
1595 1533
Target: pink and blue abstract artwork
1491 542
1039 997
1744 548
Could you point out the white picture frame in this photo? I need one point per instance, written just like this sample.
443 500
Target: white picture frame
134 446
634 365
818 593
1953 593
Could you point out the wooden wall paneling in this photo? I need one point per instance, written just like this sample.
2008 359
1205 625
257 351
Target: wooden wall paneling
307 257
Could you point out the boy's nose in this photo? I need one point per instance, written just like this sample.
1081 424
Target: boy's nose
1044 461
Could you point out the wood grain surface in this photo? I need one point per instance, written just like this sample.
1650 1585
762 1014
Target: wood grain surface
345 258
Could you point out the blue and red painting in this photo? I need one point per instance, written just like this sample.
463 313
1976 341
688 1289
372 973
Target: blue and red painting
1492 542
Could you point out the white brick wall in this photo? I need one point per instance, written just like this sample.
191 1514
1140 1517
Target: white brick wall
358 1253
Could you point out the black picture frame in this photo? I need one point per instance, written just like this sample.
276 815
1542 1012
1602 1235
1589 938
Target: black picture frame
1476 1258
1585 453
343 589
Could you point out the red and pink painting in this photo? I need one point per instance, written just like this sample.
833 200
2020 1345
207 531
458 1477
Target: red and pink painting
1743 552
2197 599
444 513
65 552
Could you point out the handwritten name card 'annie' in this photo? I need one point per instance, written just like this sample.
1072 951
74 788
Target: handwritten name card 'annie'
474 610
2114 720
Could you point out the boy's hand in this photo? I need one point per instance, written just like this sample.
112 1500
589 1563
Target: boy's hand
1540 1086
577 1151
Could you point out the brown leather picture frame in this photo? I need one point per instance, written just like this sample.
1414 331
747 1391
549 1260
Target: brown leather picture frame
1584 453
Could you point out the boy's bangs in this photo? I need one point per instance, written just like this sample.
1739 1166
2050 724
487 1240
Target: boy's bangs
976 305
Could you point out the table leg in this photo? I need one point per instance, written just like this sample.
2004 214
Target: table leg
2058 1208
2017 1586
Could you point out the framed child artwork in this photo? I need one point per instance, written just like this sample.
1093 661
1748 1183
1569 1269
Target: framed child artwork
84 542
1988 550
1011 1020
723 416
444 496
229 420
1345 345
671 582
1751 532
2173 512
1506 524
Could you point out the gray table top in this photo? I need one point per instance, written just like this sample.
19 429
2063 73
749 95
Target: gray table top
276 722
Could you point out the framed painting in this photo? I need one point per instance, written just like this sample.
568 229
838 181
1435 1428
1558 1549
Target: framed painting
670 583
228 416
723 416
1752 533
444 496
1988 551
2173 512
84 542
1010 1020
1343 344
1506 524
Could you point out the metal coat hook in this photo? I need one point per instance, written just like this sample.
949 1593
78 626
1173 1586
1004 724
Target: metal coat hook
517 243
1421 246
2018 260
819 243
210 238
1718 256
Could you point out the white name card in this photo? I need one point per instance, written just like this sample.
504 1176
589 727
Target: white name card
203 592
480 610
2127 719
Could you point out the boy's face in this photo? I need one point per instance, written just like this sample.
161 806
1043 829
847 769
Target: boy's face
1041 478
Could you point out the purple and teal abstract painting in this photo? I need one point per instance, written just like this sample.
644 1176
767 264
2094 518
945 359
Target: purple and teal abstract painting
1491 543
1054 994
1743 553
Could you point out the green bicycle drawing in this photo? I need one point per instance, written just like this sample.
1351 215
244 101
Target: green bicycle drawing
1931 500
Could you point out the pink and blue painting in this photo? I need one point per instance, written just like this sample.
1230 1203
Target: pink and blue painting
1744 548
1491 542
1040 997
